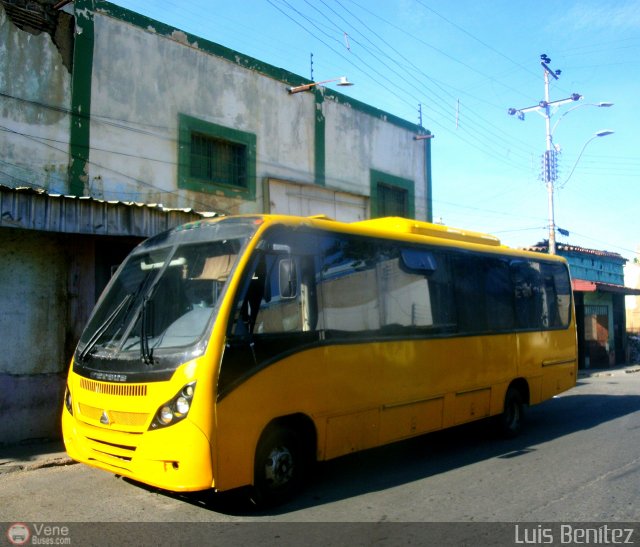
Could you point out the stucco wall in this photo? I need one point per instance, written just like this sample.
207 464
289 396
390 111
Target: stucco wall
33 324
357 142
143 80
47 290
144 75
33 292
34 107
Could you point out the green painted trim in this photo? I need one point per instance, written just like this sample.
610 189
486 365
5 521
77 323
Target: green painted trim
428 181
320 150
286 77
81 77
187 125
377 177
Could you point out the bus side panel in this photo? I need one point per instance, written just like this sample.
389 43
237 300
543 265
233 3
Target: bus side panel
400 421
294 385
548 360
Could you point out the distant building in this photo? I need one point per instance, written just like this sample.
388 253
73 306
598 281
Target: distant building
632 279
599 289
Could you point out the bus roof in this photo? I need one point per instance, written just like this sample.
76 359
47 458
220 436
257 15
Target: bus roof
402 228
409 226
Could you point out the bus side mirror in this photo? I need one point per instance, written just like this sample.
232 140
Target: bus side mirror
288 279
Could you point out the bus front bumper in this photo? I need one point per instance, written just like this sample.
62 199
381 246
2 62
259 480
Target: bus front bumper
176 458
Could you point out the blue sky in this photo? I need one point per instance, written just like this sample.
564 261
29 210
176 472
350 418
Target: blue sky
466 62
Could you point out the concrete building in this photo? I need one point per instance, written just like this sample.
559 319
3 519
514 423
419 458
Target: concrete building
114 127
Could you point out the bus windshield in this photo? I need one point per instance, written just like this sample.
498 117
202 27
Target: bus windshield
158 307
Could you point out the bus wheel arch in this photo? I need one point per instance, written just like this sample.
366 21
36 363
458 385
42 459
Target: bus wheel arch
510 421
284 454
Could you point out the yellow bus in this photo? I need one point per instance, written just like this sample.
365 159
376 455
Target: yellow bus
238 351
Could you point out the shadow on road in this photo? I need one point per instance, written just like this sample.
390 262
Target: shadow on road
431 454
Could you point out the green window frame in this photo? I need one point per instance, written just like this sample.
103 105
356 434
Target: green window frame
385 187
213 158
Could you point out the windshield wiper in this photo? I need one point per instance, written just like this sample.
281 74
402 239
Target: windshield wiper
146 353
103 328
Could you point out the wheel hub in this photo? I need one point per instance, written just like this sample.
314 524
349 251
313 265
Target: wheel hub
279 466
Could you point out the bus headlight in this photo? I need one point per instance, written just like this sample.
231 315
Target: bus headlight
176 409
182 405
67 400
165 416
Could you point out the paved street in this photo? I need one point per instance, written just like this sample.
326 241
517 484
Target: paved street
578 460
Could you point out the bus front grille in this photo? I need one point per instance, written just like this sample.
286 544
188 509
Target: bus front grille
113 417
127 390
101 448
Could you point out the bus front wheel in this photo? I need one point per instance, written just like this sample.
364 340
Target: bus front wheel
279 468
510 421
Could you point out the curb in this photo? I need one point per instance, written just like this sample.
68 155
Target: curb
594 373
13 466
29 457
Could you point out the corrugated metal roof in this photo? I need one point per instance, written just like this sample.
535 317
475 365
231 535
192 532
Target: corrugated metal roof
583 285
561 248
34 209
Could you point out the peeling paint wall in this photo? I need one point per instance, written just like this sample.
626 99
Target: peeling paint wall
33 323
33 293
357 142
34 108
145 75
142 81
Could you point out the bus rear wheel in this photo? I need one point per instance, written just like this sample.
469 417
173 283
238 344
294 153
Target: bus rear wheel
510 421
280 466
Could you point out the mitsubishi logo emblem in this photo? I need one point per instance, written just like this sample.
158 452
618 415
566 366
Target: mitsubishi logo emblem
104 418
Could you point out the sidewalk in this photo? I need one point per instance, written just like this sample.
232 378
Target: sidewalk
609 371
26 457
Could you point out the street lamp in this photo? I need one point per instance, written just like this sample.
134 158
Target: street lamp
599 105
601 133
342 81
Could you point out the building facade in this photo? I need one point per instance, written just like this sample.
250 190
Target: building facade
114 127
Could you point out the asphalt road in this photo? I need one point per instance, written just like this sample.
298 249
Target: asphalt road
578 460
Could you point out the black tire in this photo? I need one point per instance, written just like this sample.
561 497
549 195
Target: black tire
280 467
511 420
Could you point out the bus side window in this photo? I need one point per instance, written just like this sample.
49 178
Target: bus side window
557 292
500 305
528 294
281 311
291 285
469 283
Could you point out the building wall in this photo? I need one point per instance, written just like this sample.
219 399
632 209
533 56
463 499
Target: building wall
592 267
35 99
145 75
34 322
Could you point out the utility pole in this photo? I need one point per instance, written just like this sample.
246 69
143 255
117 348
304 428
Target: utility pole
546 108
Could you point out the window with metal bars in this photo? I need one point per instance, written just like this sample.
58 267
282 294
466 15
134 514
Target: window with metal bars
218 161
392 201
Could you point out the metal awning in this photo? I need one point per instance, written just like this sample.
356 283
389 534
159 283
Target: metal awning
34 209
582 285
